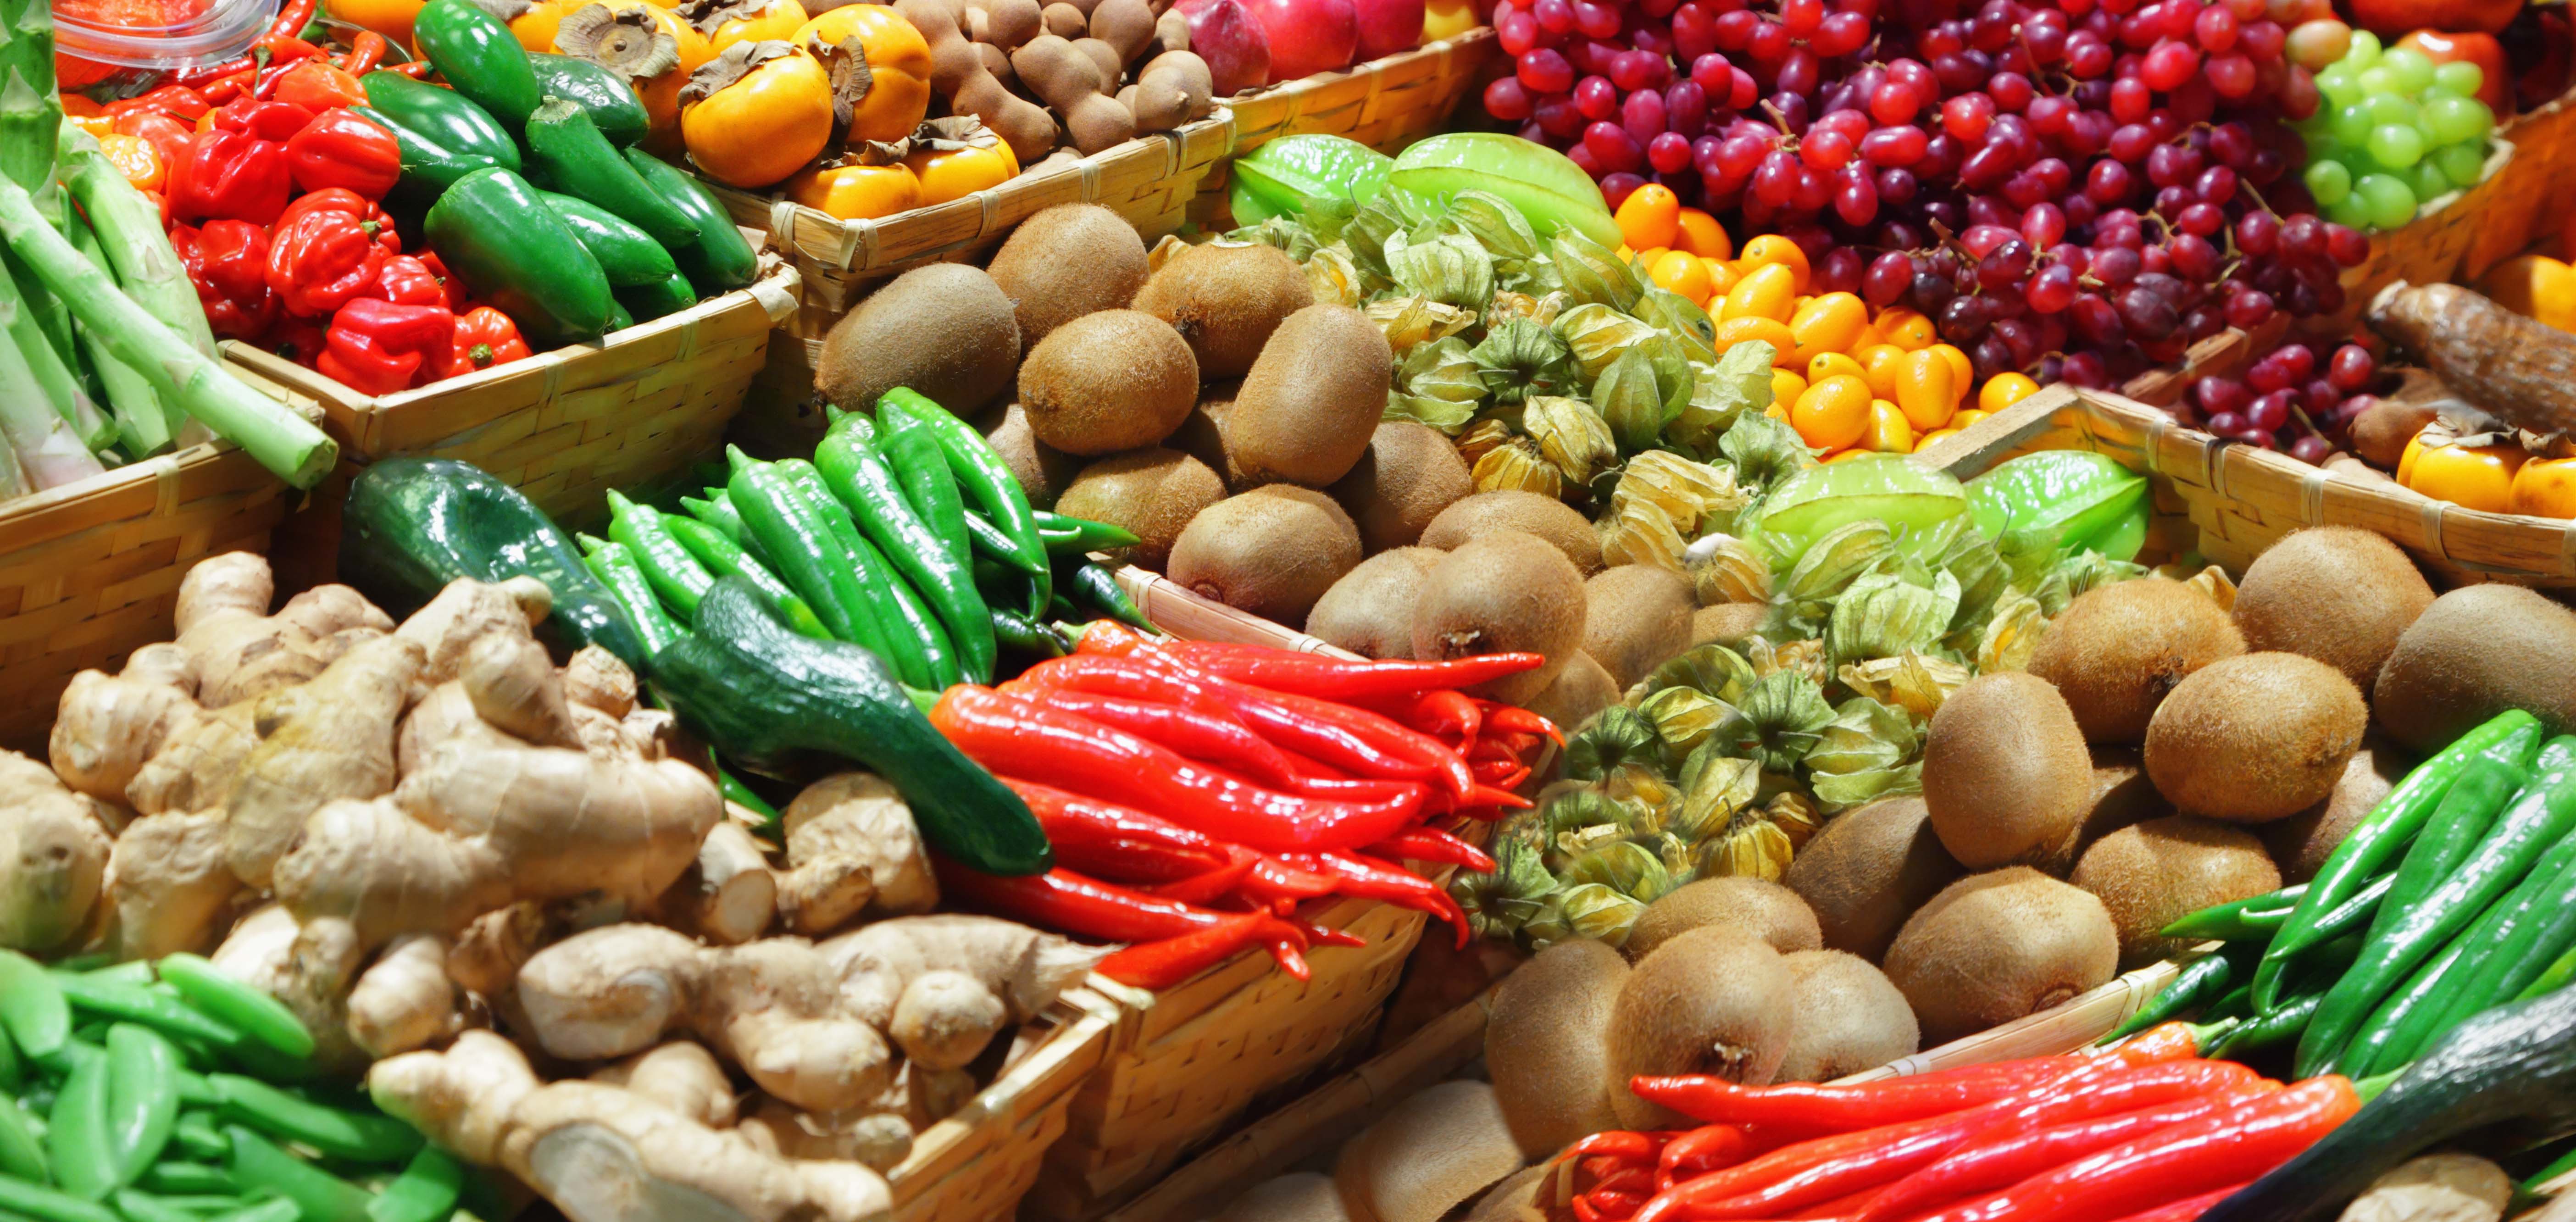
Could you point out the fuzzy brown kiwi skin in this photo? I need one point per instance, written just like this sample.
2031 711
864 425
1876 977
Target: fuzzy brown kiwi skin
1581 688
1850 1018
1271 551
1546 517
945 330
1765 909
1997 946
1370 610
1226 299
1506 592
1043 471
2118 649
1153 492
1636 615
2255 738
2338 594
2477 651
1867 870
2155 873
1546 1044
1068 261
2301 843
2005 771
1409 474
1712 1001
1108 381
1311 403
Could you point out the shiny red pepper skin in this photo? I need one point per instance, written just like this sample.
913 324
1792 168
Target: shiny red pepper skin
1810 1108
1205 737
382 347
1273 881
408 281
1016 737
167 136
1087 907
2188 1208
1112 841
365 52
227 263
484 336
1370 878
1705 1149
176 102
1169 961
1307 674
265 118
1990 1162
318 85
340 149
228 175
1686 1198
320 260
1432 845
1206 888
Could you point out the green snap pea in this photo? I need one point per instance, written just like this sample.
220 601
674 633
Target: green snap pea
76 1133
163 1014
203 1204
135 972
145 1207
32 1006
142 1096
277 1209
13 1071
426 1191
337 1132
197 1135
22 1150
246 1009
50 1205
171 1177
258 1165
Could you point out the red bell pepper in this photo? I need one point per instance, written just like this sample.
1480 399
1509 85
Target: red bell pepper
455 290
229 175
165 134
300 340
321 259
316 85
484 336
341 199
339 149
381 347
227 262
265 118
408 281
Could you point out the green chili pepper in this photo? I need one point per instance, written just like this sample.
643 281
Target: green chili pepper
659 299
1027 636
2551 978
32 1006
606 95
172 1178
142 1096
921 470
2512 943
672 571
618 317
989 543
2543 815
1063 533
894 633
442 119
47 1205
338 1132
982 476
716 511
2406 1013
725 558
2201 981
2354 915
719 260
1097 583
167 1015
77 1141
567 153
203 1204
253 1013
2258 916
426 1191
197 1134
860 479
800 545
937 651
615 567
258 1165
2456 828
2269 1030
2378 839
22 1151
742 795
479 57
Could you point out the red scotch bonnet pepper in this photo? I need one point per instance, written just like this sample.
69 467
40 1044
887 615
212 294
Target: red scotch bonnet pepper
484 337
382 347
232 176
339 149
321 256
227 262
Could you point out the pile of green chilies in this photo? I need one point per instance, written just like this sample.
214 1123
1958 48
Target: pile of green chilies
2456 895
171 1092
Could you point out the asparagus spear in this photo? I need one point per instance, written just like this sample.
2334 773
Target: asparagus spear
141 419
55 381
47 449
129 230
29 111
280 440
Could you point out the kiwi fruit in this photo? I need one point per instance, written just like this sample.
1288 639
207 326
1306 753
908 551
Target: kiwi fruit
1311 403
1866 870
1544 516
1226 298
2338 594
1370 610
1581 688
1427 1155
1848 1018
1409 474
1635 616
1302 1196
1068 261
1997 946
1271 551
2117 649
1202 433
1109 381
1523 1197
2155 873
1545 1044
2301 843
2255 738
2005 771
2474 653
1757 906
1507 592
1152 492
1727 623
945 330
2122 797
1714 1001
1043 471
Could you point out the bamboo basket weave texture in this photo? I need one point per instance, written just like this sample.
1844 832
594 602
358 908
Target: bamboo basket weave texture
974 1166
90 572
566 426
2531 204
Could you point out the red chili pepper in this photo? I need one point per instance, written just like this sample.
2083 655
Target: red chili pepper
484 336
365 52
1625 1144
1309 674
1615 1204
1205 737
320 259
1103 838
177 101
1584 1212
229 175
1504 718
1994 1161
227 263
1273 881
1700 1151
1685 1199
261 117
1810 1108
1890 1160
1319 936
1014 736
1840 1209
1169 961
2188 1208
340 149
383 347
1206 888
2235 1145
167 136
1440 712
1370 878
316 85
290 21
417 69
219 92
1395 751
1435 846
2162 1042
1091 908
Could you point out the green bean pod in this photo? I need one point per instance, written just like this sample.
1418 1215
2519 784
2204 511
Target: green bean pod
166 1015
258 1165
426 1191
142 1096
252 1012
22 1152
170 1177
50 1205
77 1140
338 1132
32 1007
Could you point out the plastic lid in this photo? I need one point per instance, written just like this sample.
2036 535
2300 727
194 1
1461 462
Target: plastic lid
159 35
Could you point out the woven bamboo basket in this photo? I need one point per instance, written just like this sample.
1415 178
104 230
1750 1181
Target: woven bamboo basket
91 571
566 426
974 1166
2228 501
2530 207
1149 180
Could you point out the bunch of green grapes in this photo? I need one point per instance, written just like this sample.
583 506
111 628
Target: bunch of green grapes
2395 130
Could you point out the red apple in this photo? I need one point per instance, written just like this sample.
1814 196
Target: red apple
2390 18
1388 26
2480 49
1309 36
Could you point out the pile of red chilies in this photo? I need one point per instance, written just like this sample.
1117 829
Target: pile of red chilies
2144 1132
1197 793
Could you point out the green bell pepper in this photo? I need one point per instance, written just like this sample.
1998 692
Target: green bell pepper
441 119
567 152
480 57
611 101
719 261
628 256
494 230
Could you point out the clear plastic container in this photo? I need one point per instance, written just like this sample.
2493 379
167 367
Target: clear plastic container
97 41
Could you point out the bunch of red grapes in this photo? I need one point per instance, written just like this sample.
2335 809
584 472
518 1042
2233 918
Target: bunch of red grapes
2299 397
2073 188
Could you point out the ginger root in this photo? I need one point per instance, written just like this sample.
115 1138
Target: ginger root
943 985
330 737
730 894
54 847
772 1006
679 1075
169 883
603 1153
404 1000
240 651
880 1139
106 728
852 846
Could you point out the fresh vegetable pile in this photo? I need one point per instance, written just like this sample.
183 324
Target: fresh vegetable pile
152 1092
2145 1131
1196 793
